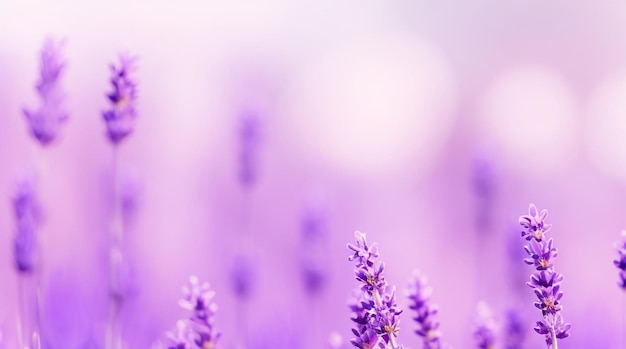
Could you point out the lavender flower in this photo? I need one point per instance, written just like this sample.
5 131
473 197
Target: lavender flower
428 325
376 314
198 298
545 281
248 143
27 219
46 121
515 330
485 332
120 118
181 337
620 261
314 234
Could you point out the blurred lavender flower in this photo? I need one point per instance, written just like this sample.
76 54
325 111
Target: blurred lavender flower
242 275
484 189
248 143
376 314
546 282
47 120
198 298
120 118
27 218
181 337
314 235
515 333
419 301
620 261
485 332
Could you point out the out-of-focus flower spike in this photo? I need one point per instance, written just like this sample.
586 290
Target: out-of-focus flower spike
27 219
120 117
486 327
419 294
46 121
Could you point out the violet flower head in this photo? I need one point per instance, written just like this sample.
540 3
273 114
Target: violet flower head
545 281
249 138
46 121
419 294
27 219
198 298
120 118
620 261
376 314
486 327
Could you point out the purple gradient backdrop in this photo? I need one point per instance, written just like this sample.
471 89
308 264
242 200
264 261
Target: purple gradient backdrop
380 106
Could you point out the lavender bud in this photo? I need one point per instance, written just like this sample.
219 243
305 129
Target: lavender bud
376 314
120 118
545 281
46 121
419 294
27 220
485 332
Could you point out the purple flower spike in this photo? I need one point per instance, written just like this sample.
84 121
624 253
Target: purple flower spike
428 325
545 281
120 118
181 338
27 219
46 121
620 261
485 332
375 312
198 298
313 259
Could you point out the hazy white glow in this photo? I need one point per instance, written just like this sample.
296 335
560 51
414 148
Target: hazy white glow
530 114
376 104
606 126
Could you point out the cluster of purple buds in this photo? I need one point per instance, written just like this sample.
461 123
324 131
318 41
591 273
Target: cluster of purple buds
486 327
198 331
620 261
27 219
545 281
120 118
375 313
419 294
46 121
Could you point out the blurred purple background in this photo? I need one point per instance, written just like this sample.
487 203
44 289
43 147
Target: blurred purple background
380 111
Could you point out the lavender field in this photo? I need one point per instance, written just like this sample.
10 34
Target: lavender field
312 174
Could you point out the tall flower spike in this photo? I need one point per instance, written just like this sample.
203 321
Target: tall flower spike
485 332
419 294
120 117
27 219
46 121
376 314
515 330
620 261
545 281
198 298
